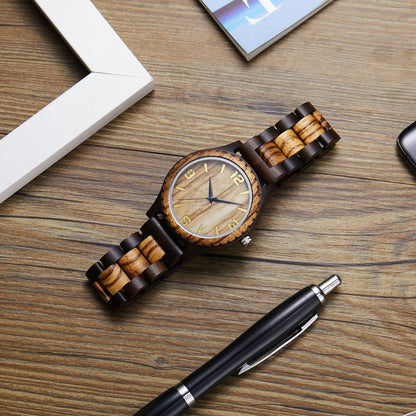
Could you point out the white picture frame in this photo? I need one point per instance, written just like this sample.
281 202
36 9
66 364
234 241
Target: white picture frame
116 81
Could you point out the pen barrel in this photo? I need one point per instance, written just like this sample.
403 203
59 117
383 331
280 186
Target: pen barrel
169 403
270 330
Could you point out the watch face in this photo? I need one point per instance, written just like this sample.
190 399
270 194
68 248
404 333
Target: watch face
211 197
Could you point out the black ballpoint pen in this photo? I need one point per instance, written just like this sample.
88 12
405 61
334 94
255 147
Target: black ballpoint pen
267 336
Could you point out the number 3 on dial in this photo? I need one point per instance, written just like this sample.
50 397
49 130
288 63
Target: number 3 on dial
232 224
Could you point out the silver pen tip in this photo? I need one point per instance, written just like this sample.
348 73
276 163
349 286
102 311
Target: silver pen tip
330 284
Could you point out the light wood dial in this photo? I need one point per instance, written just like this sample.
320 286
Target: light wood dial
209 197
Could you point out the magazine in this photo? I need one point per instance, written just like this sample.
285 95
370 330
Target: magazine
253 25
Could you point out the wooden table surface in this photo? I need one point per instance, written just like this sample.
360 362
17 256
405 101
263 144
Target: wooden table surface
351 213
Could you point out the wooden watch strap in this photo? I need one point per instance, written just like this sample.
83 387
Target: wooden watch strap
276 154
290 145
134 265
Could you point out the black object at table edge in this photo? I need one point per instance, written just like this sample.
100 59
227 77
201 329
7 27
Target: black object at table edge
408 152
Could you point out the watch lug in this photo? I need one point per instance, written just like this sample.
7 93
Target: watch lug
231 147
156 207
268 190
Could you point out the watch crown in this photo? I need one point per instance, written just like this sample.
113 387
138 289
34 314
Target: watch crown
245 241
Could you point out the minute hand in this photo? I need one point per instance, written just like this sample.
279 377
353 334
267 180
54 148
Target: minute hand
224 201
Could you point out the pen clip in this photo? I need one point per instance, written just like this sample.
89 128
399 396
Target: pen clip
248 366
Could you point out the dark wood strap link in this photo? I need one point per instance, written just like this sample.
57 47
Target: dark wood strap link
290 145
130 268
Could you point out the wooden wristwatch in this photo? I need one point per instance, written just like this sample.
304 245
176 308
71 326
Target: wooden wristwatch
209 199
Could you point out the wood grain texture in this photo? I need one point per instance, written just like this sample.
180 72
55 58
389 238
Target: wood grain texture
308 129
271 153
289 143
352 212
133 263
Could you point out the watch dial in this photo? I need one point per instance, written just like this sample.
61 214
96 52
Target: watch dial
210 197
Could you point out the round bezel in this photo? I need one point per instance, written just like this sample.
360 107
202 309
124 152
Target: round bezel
226 237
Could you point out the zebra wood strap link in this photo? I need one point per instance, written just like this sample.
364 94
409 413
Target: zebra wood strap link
131 267
276 154
290 145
